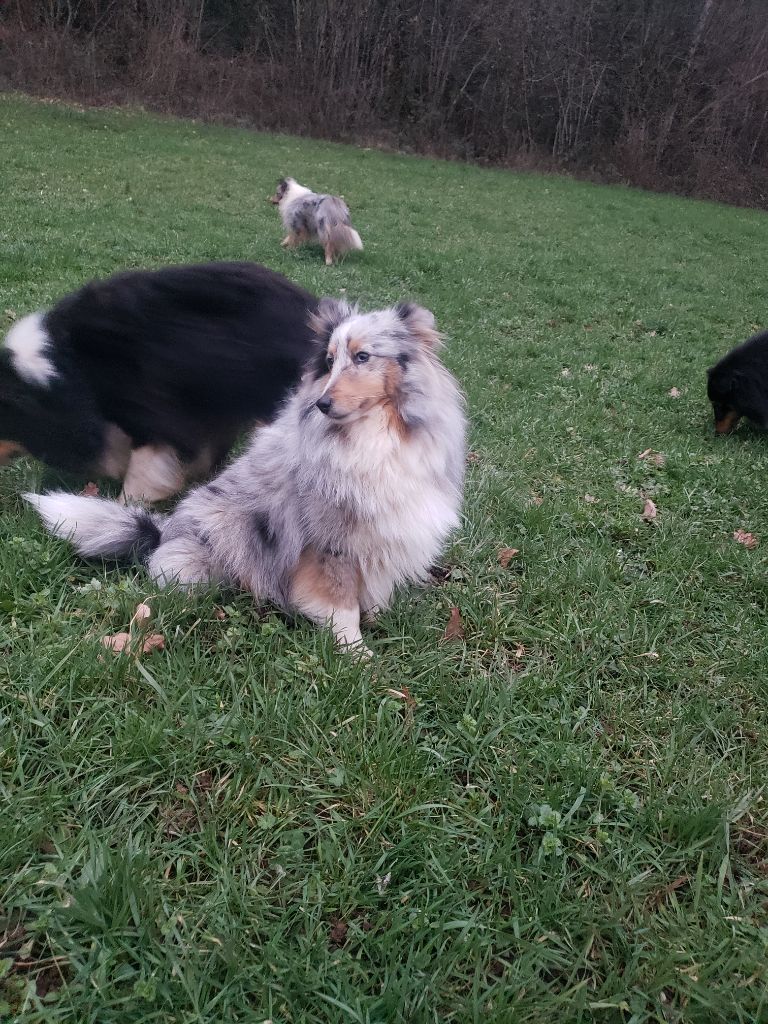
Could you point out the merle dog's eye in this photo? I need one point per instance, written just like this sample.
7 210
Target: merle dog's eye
329 360
362 357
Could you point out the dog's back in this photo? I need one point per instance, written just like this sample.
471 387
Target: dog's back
170 352
149 376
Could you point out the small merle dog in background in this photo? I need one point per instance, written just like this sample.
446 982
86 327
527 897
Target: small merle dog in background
149 376
309 217
738 385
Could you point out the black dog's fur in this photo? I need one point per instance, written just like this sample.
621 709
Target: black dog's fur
738 385
184 356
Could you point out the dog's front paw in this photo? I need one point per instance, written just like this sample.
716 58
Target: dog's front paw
357 650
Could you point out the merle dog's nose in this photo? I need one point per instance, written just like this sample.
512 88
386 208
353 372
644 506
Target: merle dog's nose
323 404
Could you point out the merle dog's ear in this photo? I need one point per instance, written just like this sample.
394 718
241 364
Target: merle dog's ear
327 317
421 323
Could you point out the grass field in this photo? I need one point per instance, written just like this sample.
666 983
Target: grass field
565 821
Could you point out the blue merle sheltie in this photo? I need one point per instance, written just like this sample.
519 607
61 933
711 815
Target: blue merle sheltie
149 376
310 217
350 491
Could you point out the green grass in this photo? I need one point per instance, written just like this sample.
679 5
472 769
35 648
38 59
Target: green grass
570 811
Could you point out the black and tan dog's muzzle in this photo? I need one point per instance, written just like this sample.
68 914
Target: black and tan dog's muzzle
10 450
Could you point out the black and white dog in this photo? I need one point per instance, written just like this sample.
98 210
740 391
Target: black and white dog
149 376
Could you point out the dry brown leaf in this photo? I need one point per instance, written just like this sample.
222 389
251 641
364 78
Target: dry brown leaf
590 499
154 642
657 458
474 457
142 614
219 613
117 642
749 540
658 897
506 555
537 500
91 490
649 511
403 694
338 934
674 392
455 628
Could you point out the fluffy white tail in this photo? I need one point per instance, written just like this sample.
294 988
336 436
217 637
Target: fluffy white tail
97 527
341 238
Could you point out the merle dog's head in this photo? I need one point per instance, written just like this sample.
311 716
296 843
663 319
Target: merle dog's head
282 187
385 358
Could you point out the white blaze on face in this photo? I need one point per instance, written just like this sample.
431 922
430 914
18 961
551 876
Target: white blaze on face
338 348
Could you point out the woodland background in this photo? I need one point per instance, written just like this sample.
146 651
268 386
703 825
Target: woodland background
663 94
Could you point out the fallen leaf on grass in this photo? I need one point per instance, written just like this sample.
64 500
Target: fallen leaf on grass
118 642
516 659
142 614
382 882
219 613
338 934
590 499
649 510
154 642
658 897
657 458
506 555
403 694
474 457
439 573
749 540
91 490
455 628
674 392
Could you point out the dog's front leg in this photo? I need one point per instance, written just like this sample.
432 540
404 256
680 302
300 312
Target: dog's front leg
324 588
